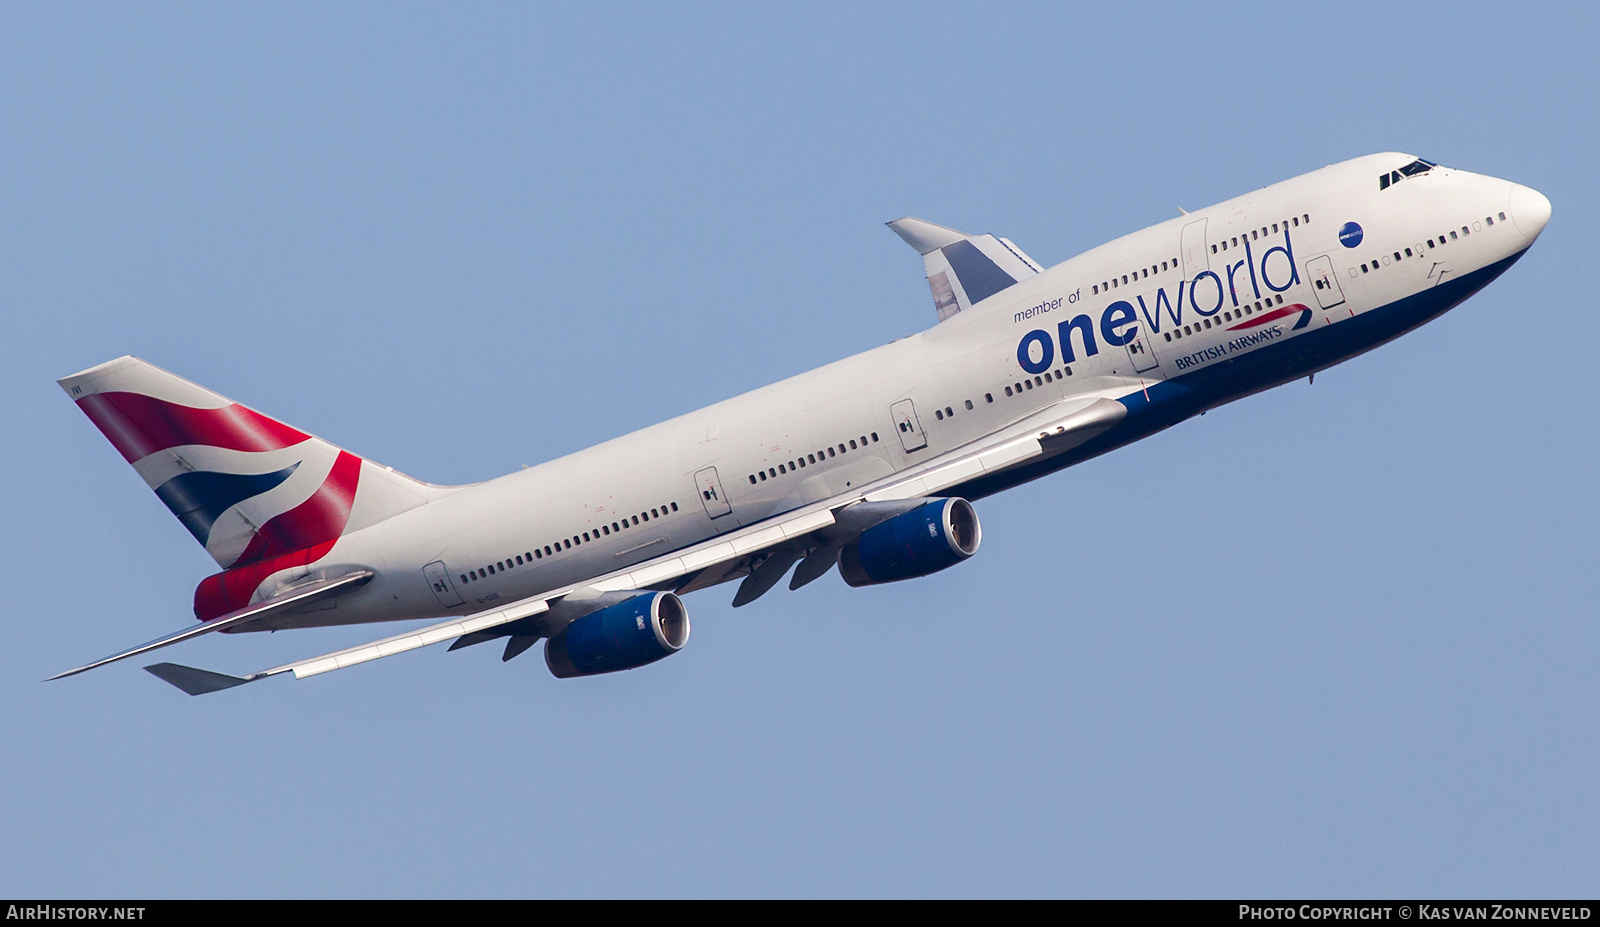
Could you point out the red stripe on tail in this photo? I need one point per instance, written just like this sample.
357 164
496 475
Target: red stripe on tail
223 592
139 425
320 519
302 535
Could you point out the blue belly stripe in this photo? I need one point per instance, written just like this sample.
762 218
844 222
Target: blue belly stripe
1168 402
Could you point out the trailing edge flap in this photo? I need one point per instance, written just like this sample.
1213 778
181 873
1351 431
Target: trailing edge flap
294 595
963 270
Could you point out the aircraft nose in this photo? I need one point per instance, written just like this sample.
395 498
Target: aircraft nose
1529 209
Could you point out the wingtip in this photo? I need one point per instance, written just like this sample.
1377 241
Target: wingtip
923 235
70 672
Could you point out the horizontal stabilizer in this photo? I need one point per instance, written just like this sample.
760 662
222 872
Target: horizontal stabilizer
963 270
295 595
195 681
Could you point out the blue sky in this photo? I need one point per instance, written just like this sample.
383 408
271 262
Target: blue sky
1330 640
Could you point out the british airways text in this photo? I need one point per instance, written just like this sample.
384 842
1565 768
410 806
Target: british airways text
1222 350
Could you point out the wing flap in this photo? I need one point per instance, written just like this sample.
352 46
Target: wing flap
720 550
411 640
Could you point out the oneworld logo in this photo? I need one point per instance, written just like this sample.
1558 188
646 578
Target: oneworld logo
1232 282
1350 235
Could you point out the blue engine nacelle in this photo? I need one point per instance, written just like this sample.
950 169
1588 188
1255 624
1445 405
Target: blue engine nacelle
924 540
641 630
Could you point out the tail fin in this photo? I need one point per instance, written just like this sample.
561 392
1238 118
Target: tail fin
248 487
963 270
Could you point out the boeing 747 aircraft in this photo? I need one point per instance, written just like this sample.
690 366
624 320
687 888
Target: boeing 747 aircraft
869 464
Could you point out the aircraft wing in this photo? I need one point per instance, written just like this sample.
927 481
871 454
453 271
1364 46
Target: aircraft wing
198 682
1051 430
733 545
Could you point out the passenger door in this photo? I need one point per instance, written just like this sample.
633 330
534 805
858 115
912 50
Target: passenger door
1319 270
904 414
711 494
1141 354
439 579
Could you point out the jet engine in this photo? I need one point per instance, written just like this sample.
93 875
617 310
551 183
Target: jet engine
626 635
925 540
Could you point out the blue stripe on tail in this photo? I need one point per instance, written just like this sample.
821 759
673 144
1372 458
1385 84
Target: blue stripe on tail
199 497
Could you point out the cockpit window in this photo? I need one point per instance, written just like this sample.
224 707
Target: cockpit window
1416 167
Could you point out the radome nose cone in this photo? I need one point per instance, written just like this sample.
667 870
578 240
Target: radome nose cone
1529 209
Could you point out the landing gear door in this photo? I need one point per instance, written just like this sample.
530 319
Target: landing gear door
711 494
1319 270
904 413
439 579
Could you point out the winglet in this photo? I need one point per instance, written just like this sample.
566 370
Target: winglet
963 270
195 681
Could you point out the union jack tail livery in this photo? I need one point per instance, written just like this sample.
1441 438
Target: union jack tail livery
258 494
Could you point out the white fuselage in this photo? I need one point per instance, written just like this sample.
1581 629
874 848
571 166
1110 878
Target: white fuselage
844 425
